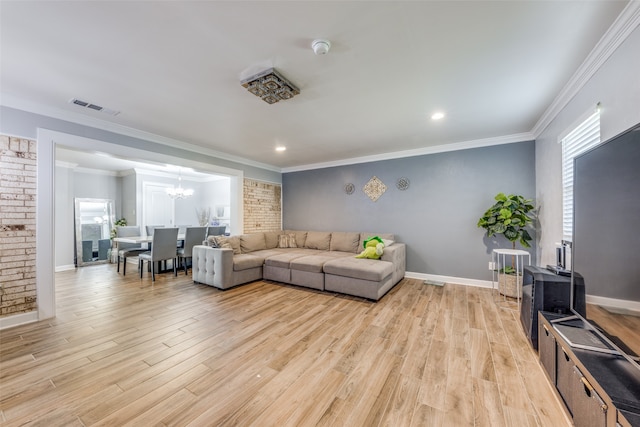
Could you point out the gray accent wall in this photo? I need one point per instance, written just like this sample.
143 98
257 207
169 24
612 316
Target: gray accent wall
436 217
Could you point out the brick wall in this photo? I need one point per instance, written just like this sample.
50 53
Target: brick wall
17 225
262 206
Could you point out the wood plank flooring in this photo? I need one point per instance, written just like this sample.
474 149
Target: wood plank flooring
626 326
126 351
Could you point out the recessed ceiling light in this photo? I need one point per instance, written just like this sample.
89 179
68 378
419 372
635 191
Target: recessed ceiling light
437 116
281 148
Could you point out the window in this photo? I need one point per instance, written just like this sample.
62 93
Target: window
584 137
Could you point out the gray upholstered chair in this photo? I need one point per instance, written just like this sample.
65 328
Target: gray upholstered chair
149 229
193 236
163 248
127 249
216 231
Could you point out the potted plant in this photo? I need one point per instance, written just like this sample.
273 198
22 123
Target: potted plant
510 215
119 222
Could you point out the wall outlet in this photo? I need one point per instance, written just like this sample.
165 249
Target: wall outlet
492 266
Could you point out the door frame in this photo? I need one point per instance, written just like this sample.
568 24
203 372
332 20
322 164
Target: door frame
45 199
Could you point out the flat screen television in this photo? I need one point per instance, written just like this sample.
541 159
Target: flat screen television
606 239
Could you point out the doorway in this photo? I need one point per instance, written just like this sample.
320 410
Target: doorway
157 207
47 141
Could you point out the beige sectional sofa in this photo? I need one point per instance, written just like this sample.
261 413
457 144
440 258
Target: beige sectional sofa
321 260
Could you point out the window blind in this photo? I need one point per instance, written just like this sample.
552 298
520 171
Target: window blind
584 137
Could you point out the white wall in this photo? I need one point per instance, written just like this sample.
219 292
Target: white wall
207 193
69 184
128 196
616 85
64 218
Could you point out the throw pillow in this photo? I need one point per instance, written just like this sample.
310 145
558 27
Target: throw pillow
287 241
211 240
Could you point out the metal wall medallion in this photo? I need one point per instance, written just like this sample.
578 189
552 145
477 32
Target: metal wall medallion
402 183
349 188
374 188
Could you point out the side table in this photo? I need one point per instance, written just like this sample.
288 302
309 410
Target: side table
500 258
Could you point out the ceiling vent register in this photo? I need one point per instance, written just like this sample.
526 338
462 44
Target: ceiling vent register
270 86
91 106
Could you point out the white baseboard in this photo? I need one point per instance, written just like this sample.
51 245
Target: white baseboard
68 267
449 279
618 304
18 319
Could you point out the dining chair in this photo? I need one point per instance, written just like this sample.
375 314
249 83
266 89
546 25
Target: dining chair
149 229
216 230
127 249
193 236
182 229
163 248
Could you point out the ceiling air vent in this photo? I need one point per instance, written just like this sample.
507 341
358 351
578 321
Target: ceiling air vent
92 106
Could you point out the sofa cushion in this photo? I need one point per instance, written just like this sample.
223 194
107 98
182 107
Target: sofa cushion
230 242
310 263
366 269
283 260
345 242
266 253
271 239
246 261
318 240
252 242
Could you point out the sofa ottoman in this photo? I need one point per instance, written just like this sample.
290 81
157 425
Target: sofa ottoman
365 278
308 270
277 267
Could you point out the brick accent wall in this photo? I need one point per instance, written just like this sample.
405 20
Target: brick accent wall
17 225
262 206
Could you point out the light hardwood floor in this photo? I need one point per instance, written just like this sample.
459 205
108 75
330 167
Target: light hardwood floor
130 352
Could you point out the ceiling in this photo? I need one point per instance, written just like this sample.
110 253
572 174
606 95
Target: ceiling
173 69
73 158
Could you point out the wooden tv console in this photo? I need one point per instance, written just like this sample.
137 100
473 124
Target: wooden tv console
598 389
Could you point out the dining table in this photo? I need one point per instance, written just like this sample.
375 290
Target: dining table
141 239
144 239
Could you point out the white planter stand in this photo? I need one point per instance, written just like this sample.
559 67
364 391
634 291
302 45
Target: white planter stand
500 258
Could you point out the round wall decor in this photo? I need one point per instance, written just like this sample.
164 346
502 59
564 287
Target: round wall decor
402 183
349 188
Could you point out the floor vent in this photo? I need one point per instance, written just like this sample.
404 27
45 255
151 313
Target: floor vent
85 104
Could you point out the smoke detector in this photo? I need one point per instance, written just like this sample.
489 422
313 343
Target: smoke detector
321 46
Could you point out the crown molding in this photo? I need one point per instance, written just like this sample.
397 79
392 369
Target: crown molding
174 175
443 148
94 171
11 101
622 27
68 165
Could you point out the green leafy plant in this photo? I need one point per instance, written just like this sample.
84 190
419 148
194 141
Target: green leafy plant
119 222
509 216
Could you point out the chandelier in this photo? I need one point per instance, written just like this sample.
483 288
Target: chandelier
270 86
179 192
